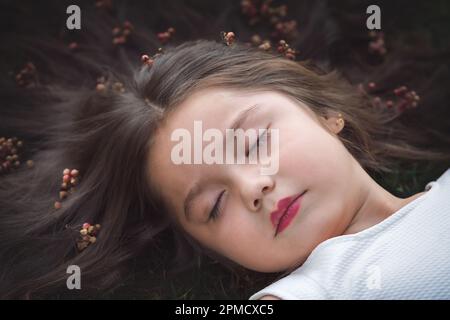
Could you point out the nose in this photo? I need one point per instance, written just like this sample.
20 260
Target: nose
254 190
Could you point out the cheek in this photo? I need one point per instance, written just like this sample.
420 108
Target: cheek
241 238
248 240
320 220
313 156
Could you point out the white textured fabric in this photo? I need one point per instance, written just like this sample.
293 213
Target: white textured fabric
406 256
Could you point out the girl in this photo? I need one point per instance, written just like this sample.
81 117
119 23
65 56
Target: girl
104 184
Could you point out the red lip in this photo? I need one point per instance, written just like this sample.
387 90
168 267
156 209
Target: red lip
287 209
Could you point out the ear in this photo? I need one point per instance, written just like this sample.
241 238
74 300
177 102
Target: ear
334 123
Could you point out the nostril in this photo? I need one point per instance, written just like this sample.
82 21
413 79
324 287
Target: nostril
256 203
265 189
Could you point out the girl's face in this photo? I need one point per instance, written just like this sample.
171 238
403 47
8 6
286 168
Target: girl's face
311 159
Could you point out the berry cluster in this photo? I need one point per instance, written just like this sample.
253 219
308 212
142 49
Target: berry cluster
27 76
121 34
376 44
401 98
258 11
69 180
228 37
147 60
103 85
165 36
10 154
282 47
286 50
88 235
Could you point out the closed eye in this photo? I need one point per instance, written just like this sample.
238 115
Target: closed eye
262 138
217 209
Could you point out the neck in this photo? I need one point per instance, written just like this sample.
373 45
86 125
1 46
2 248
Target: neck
375 204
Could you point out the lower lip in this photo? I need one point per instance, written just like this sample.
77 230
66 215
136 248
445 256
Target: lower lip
290 214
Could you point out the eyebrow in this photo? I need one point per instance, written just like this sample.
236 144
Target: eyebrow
242 116
197 187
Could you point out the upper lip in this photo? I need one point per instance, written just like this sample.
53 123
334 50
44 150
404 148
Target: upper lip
282 206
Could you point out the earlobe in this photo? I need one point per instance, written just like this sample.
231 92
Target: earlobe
335 123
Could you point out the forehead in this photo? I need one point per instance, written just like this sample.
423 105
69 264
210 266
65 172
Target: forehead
207 104
214 106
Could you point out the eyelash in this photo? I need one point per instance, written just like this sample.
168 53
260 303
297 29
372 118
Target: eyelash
217 209
265 134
